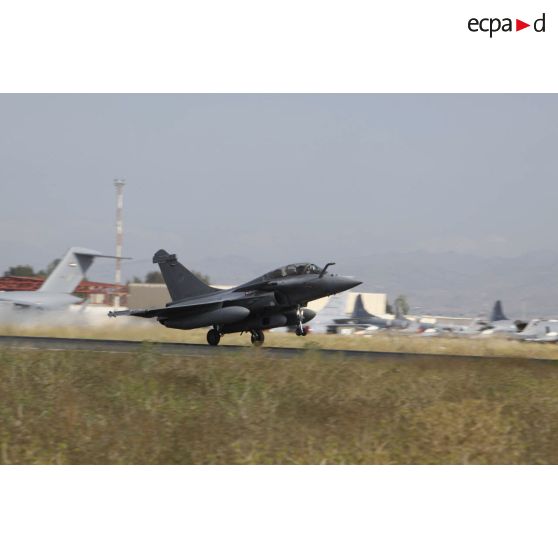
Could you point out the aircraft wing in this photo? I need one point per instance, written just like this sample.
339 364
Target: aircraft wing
185 307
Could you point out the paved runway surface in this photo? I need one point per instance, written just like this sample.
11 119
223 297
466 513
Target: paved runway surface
197 350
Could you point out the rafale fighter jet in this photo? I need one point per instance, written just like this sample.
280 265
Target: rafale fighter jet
275 299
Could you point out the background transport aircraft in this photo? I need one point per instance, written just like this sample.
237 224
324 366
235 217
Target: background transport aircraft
333 319
540 331
55 292
497 323
362 316
361 319
275 299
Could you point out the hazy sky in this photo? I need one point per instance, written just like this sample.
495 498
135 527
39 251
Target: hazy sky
276 178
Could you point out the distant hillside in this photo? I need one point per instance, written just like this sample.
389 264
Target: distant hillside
452 283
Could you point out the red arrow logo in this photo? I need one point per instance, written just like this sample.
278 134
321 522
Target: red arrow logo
519 25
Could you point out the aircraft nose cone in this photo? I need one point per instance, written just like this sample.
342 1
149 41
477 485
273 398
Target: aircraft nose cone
345 283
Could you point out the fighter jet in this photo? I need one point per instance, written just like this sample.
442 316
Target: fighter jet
275 299
55 292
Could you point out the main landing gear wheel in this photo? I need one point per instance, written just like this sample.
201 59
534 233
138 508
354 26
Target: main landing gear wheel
300 330
213 337
257 337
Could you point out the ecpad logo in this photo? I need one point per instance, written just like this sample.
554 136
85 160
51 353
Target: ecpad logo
493 25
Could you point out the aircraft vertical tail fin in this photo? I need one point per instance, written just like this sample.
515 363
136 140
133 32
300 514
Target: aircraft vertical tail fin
497 313
180 282
69 272
334 309
359 311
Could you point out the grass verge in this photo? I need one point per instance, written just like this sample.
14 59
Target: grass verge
82 407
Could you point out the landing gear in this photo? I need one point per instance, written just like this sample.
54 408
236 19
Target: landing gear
299 329
257 337
213 337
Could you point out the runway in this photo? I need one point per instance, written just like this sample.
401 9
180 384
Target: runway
204 351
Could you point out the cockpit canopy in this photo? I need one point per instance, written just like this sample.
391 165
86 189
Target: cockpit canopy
293 269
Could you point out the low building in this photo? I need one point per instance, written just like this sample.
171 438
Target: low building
94 291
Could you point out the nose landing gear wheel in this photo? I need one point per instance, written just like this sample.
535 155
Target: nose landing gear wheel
300 330
257 338
213 337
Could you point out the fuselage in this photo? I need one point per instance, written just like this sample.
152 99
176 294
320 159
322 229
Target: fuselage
540 330
275 299
39 300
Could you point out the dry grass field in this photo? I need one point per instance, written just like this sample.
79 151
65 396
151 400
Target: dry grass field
84 407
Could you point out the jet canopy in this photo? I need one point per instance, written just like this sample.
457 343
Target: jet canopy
293 269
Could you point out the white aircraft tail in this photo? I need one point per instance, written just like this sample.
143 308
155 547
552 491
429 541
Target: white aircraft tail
335 308
71 269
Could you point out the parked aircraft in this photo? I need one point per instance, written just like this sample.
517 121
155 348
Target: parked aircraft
500 323
325 320
361 315
497 323
362 320
275 299
55 292
540 331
